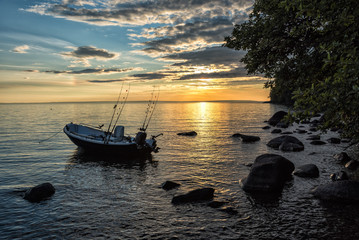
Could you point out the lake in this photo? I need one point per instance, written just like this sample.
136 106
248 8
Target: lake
102 197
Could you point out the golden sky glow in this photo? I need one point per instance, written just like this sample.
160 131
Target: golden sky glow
59 52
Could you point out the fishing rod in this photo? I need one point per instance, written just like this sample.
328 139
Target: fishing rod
121 107
150 108
115 108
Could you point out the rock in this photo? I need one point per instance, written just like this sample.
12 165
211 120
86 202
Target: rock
266 127
247 138
346 191
197 195
277 117
268 174
192 133
342 157
301 131
314 137
339 176
216 204
282 125
307 171
291 147
276 130
286 133
352 165
230 210
39 192
317 142
313 129
168 185
286 143
334 140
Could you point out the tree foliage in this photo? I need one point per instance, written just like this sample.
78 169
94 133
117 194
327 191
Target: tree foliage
309 51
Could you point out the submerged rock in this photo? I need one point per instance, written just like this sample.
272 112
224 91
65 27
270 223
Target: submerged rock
266 127
268 173
342 191
216 204
334 140
317 142
307 170
276 130
39 192
286 143
192 133
247 138
277 117
168 185
203 194
314 137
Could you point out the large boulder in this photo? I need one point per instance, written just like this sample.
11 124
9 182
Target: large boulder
203 194
352 165
342 157
268 174
39 192
191 133
307 170
342 191
246 138
277 117
286 143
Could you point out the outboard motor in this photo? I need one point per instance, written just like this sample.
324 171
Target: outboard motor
141 138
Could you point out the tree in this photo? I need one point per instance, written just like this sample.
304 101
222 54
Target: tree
309 51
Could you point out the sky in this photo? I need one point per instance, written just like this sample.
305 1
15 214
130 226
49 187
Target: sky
86 50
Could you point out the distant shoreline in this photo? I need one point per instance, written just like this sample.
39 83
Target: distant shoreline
214 101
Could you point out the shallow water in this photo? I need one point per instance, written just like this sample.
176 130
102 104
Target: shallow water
99 197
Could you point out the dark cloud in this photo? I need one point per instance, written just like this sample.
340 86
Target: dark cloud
150 76
90 71
90 52
234 73
208 56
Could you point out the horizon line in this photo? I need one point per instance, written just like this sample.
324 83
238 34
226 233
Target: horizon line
140 101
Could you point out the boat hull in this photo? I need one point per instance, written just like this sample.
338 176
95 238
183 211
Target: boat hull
111 148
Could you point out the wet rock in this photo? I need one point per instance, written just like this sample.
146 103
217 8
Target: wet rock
352 165
313 129
266 127
287 133
268 174
286 143
276 131
301 131
341 191
168 185
277 117
230 210
40 192
314 137
334 140
317 142
192 133
307 171
216 204
203 194
282 125
246 138
339 176
342 157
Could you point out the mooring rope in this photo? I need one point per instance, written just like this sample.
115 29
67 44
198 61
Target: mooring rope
50 137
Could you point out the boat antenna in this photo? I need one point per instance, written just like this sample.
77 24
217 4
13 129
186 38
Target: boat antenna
151 108
115 108
120 108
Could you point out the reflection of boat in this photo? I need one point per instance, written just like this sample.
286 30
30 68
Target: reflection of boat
113 141
98 141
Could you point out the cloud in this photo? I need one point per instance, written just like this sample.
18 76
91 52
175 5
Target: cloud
88 52
86 71
21 49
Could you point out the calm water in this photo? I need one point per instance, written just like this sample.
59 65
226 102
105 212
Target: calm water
98 198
